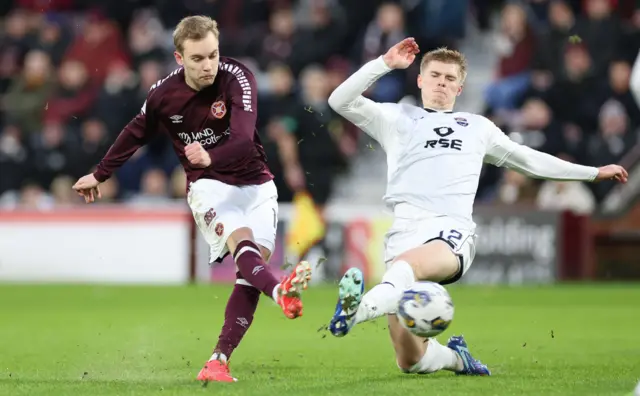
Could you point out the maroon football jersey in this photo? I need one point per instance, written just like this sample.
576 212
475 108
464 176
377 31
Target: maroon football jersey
222 117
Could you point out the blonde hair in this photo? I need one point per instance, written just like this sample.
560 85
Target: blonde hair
193 28
446 55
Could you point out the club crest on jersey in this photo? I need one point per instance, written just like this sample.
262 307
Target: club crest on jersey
209 216
218 109
219 229
461 121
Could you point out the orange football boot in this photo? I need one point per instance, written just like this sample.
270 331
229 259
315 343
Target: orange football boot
216 371
291 288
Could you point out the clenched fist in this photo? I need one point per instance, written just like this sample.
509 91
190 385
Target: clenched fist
197 155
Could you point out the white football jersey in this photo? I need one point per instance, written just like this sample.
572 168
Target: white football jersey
435 158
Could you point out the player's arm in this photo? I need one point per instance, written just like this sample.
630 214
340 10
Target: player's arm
134 135
347 99
376 119
502 151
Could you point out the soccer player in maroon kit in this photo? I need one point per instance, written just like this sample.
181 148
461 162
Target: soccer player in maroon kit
208 109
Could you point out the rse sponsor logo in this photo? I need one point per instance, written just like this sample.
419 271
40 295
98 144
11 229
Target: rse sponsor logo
454 144
205 137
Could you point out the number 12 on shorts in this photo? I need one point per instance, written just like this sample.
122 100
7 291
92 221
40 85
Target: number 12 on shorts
452 236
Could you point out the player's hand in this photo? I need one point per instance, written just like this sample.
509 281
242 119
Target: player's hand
87 187
402 55
612 172
294 176
197 155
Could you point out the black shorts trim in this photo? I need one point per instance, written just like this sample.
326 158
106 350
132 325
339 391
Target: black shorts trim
456 277
219 259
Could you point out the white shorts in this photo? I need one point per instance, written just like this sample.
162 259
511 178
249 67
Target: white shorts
406 234
219 209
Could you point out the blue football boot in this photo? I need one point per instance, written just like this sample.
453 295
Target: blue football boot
351 289
471 366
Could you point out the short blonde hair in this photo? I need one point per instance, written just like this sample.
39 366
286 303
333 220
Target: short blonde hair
446 55
193 28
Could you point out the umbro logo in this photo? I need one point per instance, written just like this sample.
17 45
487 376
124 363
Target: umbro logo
176 119
242 322
257 269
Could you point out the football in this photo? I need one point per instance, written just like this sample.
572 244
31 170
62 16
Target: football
425 309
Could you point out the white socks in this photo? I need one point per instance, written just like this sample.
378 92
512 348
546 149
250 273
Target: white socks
438 357
274 293
383 298
219 356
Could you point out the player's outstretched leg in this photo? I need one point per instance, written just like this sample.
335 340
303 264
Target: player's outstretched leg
350 292
285 293
433 261
471 366
243 302
415 355
355 306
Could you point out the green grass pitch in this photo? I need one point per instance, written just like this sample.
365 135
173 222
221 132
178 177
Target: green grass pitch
100 340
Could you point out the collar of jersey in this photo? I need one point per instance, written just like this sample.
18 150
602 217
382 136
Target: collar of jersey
438 111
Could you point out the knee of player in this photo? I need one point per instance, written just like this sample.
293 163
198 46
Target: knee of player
433 261
407 362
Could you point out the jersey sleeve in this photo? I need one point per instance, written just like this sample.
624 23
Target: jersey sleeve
135 134
634 80
378 120
243 93
504 152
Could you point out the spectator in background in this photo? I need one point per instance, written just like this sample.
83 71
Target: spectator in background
118 100
93 145
276 43
26 100
13 46
560 196
572 94
62 192
307 137
154 189
102 63
178 181
73 96
537 128
53 153
381 34
613 140
320 37
99 44
617 87
15 159
145 37
630 41
547 61
33 196
515 45
600 30
53 38
516 189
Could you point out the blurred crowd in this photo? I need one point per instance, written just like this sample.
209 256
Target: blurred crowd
74 72
567 83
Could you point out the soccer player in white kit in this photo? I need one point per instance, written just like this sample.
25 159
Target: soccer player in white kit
434 158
